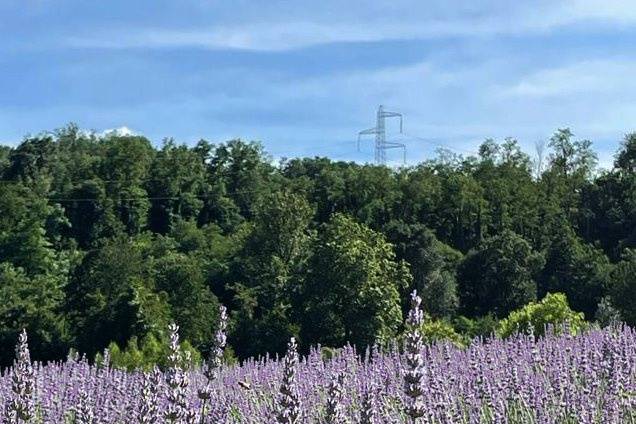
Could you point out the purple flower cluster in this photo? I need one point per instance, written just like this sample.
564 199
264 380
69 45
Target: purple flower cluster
589 378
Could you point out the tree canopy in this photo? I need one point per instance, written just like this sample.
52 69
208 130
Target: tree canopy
104 240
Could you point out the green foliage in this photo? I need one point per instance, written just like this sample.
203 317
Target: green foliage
578 270
274 266
623 292
352 291
438 331
145 355
552 310
431 263
109 238
498 276
484 327
32 303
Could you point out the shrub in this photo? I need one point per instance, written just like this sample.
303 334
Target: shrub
151 352
552 310
438 330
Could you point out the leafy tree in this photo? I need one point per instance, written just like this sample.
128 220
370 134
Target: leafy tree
242 172
111 297
578 270
461 211
5 152
623 290
192 304
498 276
352 291
431 263
33 303
177 179
273 266
552 310
626 156
124 168
23 240
572 164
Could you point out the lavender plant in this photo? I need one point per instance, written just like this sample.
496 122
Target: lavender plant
368 409
334 410
148 409
214 362
414 371
84 410
21 408
288 402
177 381
588 378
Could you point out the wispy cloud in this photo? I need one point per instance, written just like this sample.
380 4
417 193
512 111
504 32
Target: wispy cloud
415 21
593 77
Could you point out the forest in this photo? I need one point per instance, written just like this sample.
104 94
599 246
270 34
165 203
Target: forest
106 240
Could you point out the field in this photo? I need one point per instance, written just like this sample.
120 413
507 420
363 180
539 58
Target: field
589 378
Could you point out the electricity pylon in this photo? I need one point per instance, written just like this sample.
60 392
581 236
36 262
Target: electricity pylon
381 145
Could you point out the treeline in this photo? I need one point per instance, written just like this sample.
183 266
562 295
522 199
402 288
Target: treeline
109 239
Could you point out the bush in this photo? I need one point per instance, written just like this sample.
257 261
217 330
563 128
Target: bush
151 352
553 310
476 327
438 330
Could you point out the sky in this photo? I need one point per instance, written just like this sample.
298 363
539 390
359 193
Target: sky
304 77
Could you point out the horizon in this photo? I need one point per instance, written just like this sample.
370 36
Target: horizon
304 79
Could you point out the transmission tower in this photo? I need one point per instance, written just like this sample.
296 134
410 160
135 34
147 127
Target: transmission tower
381 145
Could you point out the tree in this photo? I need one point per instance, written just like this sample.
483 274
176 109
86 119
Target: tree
623 291
177 179
498 276
111 297
461 211
243 173
32 303
572 164
626 156
272 266
431 263
192 304
125 165
23 219
574 268
352 291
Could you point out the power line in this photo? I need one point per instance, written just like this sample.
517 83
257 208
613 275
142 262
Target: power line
431 141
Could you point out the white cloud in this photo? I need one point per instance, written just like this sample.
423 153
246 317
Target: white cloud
121 132
606 77
405 20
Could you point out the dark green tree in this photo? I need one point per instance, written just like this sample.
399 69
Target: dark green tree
112 297
178 181
623 290
577 269
498 276
432 265
272 268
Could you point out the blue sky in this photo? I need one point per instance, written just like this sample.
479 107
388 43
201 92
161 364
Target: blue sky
304 77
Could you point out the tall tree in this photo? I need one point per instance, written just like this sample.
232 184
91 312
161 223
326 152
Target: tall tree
272 267
432 265
623 291
498 276
577 269
352 291
177 179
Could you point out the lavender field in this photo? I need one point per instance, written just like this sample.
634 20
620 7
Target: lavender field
590 378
